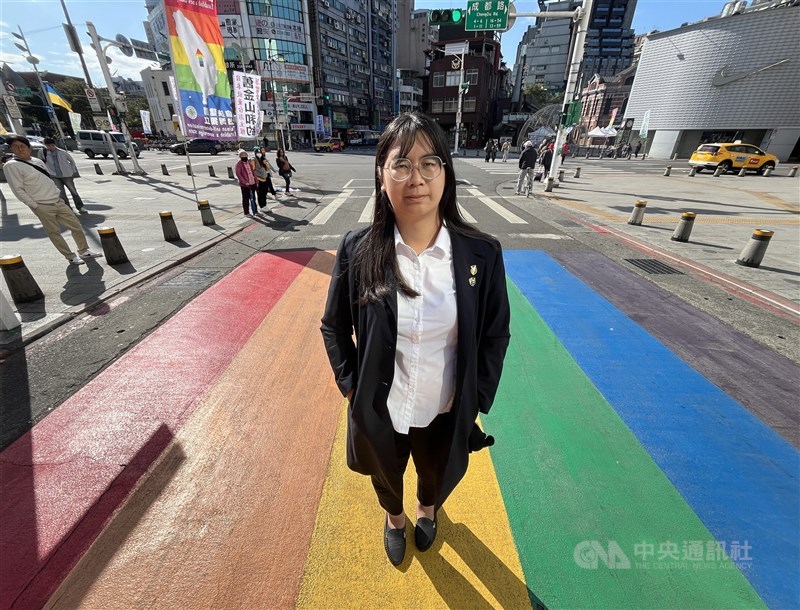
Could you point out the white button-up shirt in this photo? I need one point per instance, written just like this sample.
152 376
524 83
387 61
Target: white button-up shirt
427 333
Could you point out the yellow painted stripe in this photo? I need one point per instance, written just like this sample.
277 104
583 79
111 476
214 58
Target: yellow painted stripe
472 564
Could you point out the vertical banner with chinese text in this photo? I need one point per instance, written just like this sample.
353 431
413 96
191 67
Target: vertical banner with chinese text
246 93
145 116
199 67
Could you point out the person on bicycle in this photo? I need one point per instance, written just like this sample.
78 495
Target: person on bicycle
527 161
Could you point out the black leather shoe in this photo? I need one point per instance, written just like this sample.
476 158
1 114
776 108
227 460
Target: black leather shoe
424 533
394 541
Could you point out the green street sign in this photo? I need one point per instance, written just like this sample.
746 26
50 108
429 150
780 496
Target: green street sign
285 106
487 15
24 91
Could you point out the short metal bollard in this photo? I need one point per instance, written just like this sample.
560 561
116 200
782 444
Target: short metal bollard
692 171
718 171
169 227
793 172
113 251
8 319
637 214
767 172
684 228
577 172
667 170
188 170
211 171
548 187
230 172
164 169
21 285
206 215
742 172
98 169
753 252
561 175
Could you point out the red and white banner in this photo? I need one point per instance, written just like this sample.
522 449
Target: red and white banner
246 93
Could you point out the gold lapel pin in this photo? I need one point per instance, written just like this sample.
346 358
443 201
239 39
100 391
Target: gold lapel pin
473 270
472 281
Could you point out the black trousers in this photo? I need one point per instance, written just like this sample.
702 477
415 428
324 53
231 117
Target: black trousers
429 450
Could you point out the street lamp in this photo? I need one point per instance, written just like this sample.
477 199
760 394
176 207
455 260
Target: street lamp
51 112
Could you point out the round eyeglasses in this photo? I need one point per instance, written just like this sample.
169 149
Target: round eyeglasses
429 168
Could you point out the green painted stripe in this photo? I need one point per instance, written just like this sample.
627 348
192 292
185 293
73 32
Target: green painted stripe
571 471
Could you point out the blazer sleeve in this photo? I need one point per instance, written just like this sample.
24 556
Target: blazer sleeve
495 335
337 320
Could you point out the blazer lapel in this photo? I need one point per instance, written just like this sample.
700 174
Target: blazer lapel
468 271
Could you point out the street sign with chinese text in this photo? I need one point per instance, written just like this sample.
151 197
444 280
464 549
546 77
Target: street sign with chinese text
487 15
11 106
645 125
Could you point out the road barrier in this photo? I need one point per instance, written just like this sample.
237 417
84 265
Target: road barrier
742 172
230 172
637 214
169 227
164 169
206 214
21 285
578 172
754 250
211 171
692 171
98 170
113 251
684 228
667 170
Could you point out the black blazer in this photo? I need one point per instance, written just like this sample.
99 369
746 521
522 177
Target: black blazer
367 366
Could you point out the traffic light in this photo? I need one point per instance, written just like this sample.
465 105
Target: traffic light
327 97
446 16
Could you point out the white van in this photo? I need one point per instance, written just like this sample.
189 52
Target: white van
94 142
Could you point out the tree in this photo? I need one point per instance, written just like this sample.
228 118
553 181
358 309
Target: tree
133 118
541 95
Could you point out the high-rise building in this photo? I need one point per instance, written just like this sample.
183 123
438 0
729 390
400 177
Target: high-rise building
414 36
610 41
548 47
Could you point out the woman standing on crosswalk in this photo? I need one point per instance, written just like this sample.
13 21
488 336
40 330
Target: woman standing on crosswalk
423 291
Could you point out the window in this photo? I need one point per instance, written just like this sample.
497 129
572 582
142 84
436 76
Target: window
469 104
555 49
471 76
436 105
438 80
170 109
165 86
450 104
453 78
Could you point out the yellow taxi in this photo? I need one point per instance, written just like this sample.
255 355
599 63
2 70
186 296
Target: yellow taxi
732 156
329 144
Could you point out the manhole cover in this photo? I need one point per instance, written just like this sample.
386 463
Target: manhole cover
193 278
652 266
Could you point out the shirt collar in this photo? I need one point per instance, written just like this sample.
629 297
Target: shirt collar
442 248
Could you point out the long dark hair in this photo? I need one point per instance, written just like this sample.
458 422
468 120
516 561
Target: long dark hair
375 253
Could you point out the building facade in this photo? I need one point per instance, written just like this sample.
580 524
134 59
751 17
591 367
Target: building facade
610 40
547 47
603 102
159 98
722 79
414 36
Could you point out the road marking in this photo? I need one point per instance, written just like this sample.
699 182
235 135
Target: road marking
348 183
538 236
329 210
467 216
369 210
497 208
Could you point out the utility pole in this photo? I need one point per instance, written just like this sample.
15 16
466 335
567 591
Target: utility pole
70 29
461 91
101 58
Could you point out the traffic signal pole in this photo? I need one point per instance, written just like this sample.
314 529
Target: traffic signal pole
460 96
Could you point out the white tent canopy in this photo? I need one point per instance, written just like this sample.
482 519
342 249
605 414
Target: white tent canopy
599 132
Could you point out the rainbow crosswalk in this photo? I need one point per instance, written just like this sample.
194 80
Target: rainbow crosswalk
210 473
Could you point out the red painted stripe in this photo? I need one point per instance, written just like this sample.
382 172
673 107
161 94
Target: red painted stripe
64 480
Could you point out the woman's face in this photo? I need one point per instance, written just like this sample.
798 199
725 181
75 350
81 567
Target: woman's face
416 197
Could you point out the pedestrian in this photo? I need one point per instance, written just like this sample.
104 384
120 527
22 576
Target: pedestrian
262 170
527 163
285 168
63 171
425 293
637 148
32 185
547 159
488 149
505 149
564 151
248 184
494 150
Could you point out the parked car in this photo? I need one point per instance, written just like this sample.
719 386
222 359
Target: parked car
36 144
329 144
197 145
731 156
94 142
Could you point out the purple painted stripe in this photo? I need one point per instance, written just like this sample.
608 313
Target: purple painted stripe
764 382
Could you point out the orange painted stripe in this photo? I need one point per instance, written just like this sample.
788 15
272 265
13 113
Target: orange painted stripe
225 518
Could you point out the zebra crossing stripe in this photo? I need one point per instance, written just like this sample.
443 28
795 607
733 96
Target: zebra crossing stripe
369 211
467 216
497 208
329 210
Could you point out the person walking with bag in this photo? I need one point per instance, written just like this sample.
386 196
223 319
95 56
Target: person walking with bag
63 171
261 169
425 293
527 163
270 171
285 168
247 183
32 185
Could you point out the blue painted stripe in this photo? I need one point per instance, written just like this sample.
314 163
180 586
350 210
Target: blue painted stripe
737 474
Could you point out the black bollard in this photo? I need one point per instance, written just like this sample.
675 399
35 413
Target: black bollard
230 172
113 251
188 170
684 228
211 171
169 227
98 169
577 172
21 285
206 214
164 169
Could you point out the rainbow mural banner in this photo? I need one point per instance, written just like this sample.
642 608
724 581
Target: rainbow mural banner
198 62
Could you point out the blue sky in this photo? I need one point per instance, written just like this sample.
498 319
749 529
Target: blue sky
41 22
